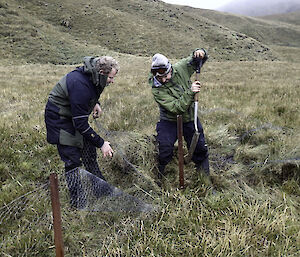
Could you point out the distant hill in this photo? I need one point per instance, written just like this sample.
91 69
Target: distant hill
62 31
291 18
282 30
261 8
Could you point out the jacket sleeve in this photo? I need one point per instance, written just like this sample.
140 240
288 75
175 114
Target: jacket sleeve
80 98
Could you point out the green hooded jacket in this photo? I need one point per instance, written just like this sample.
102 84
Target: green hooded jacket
176 97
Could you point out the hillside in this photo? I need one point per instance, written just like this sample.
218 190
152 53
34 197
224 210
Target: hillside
292 17
269 31
61 31
260 8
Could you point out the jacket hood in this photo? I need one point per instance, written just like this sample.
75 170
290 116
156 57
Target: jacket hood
89 67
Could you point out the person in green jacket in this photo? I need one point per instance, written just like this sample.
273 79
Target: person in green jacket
174 92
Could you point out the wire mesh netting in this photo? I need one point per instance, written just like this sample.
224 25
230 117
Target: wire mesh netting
26 219
89 192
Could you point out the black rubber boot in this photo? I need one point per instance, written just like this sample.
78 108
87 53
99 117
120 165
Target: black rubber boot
203 167
203 171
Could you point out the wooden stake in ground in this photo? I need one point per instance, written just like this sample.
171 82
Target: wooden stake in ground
58 239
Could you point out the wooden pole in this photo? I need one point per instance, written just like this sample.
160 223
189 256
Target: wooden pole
180 151
58 239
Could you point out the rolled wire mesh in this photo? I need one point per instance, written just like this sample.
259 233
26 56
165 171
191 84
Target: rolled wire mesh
91 193
90 204
114 185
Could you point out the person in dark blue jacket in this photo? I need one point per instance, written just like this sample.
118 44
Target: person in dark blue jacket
69 105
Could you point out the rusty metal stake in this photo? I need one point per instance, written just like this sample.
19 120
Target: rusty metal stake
58 239
180 151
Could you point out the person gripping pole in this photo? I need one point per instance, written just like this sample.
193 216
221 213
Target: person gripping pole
174 92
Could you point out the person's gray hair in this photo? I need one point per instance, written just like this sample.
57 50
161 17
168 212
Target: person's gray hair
106 63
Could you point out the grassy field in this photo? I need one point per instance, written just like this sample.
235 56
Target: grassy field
249 108
250 114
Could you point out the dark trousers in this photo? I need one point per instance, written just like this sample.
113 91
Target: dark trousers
73 157
167 136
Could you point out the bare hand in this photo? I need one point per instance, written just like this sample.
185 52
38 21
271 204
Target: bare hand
199 54
97 111
196 86
107 150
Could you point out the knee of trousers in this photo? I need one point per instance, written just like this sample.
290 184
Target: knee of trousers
70 155
72 164
165 153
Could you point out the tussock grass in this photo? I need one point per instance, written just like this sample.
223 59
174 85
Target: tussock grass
238 223
250 208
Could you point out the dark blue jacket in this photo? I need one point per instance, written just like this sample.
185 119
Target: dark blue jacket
68 108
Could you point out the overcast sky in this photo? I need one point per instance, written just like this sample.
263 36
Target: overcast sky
205 4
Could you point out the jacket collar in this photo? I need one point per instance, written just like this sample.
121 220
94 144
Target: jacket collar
156 83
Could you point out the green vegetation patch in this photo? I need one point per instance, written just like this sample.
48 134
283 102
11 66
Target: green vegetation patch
249 208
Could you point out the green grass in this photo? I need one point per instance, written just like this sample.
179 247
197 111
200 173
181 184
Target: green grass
248 106
235 223
249 113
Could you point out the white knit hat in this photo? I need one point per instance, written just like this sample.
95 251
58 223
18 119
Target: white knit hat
160 61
